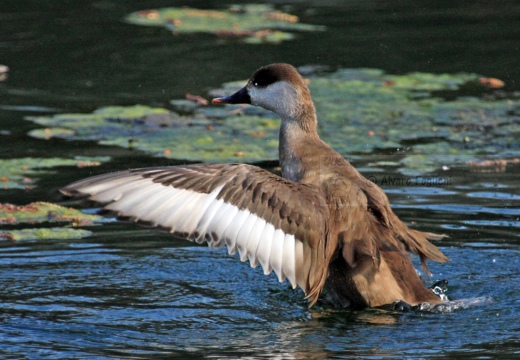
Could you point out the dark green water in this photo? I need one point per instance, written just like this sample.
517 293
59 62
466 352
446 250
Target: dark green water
133 292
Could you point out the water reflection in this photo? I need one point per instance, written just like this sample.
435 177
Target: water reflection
370 316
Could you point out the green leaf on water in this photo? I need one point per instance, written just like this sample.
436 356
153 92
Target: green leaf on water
35 214
44 234
254 23
39 212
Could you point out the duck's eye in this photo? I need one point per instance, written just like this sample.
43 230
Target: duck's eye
261 83
264 77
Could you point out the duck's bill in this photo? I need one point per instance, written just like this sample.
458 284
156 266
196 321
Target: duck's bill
240 97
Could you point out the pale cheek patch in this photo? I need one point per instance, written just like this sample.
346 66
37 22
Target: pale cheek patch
280 97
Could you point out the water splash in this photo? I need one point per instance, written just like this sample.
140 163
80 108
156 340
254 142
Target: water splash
453 305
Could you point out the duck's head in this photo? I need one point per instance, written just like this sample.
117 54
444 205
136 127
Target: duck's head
276 87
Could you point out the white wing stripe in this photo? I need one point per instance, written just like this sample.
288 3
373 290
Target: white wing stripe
288 259
221 221
207 210
190 212
277 253
111 189
254 240
151 209
129 202
171 202
244 234
203 227
264 248
189 217
200 210
175 217
232 231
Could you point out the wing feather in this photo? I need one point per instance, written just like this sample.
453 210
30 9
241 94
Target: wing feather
244 234
276 256
288 261
263 251
254 240
220 222
233 229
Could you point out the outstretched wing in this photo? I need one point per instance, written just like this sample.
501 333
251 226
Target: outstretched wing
269 220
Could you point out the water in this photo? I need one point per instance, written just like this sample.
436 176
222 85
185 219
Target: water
133 292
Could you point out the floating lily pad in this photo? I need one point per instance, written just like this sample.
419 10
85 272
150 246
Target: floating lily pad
44 212
359 111
254 23
19 173
44 233
37 213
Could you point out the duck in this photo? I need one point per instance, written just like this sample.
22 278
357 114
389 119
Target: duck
321 225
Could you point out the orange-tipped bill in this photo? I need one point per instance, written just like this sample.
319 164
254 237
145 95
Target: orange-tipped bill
240 97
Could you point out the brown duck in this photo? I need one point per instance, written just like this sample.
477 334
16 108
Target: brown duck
322 225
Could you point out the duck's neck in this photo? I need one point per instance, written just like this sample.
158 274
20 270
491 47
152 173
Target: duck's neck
296 136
